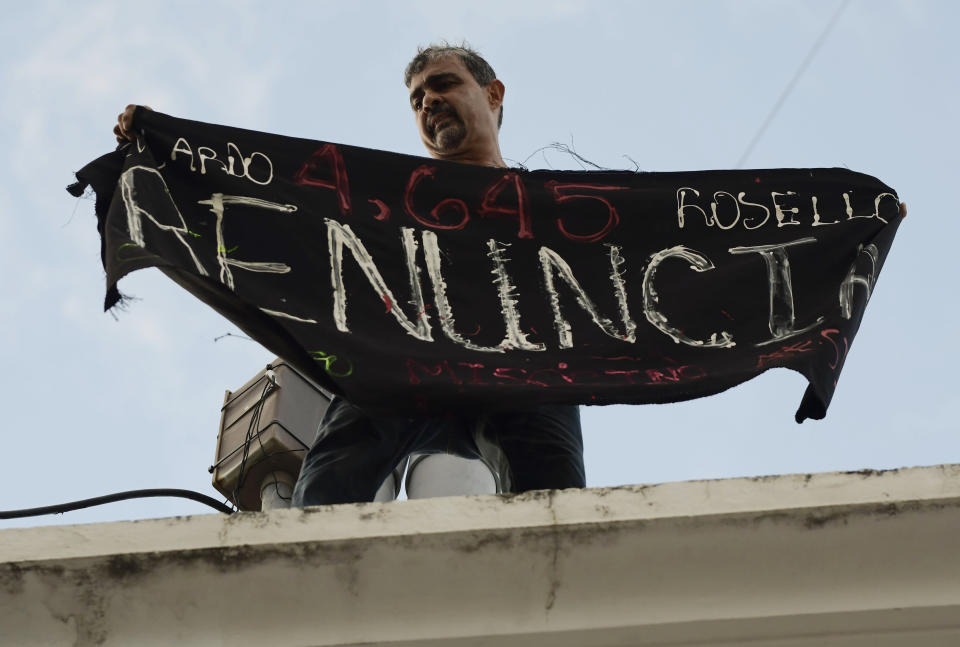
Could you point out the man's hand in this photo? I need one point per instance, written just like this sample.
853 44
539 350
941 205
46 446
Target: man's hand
903 209
124 128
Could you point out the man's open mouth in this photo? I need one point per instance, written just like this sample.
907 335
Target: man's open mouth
440 121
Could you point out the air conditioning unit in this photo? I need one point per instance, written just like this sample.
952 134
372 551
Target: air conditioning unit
266 428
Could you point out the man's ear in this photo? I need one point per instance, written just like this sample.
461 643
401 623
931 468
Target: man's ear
495 90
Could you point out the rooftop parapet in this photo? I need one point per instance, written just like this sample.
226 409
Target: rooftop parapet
863 558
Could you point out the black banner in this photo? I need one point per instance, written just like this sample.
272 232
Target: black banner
407 283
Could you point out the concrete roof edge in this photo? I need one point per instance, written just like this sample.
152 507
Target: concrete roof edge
807 497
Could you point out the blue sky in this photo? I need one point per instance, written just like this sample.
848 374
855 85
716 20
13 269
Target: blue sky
94 405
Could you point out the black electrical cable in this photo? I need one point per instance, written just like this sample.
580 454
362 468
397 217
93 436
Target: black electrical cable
252 431
112 498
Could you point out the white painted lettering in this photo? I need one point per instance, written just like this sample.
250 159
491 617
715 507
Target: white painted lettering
816 214
698 263
746 203
681 206
182 146
876 205
139 178
516 338
782 318
431 253
208 154
218 203
552 263
264 170
716 217
852 280
782 219
258 168
340 235
846 201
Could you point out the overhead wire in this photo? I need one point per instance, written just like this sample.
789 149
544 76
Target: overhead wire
793 82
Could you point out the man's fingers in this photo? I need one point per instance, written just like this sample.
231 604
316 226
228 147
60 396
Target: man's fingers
120 129
126 119
903 209
125 124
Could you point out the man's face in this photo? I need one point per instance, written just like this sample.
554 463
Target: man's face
455 115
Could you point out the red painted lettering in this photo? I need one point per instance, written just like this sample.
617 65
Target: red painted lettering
628 374
444 205
673 375
520 210
839 356
414 366
504 373
785 351
474 372
549 371
613 218
327 156
384 210
659 377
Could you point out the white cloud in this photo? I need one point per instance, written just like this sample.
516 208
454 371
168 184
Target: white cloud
149 333
87 61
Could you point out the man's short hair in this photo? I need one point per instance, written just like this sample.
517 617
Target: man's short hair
481 70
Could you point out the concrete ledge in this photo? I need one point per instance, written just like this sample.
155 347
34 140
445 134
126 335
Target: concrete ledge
829 559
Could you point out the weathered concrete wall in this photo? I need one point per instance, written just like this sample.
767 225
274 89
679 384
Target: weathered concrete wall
829 559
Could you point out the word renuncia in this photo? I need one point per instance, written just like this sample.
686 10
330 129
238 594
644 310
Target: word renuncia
555 270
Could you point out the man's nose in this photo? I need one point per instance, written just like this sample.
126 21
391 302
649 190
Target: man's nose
431 101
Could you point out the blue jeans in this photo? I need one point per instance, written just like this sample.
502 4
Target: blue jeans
531 449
